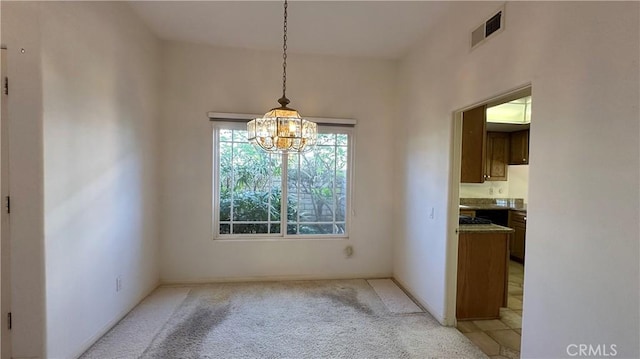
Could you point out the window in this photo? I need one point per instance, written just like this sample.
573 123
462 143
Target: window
250 186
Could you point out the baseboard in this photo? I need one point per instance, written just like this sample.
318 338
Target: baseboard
107 327
199 281
424 304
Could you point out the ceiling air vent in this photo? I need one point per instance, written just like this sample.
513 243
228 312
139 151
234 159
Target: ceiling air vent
488 28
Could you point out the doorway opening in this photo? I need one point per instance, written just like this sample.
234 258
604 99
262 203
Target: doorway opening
488 206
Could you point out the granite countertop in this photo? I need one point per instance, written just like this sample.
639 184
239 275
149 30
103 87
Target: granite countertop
483 228
516 204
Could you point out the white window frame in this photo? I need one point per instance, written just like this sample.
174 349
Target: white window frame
333 127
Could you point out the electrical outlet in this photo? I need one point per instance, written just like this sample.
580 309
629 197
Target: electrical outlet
491 190
348 251
118 283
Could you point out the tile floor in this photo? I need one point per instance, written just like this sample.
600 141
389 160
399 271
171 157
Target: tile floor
500 338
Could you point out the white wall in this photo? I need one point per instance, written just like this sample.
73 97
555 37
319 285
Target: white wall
200 79
519 182
100 80
488 189
21 30
582 267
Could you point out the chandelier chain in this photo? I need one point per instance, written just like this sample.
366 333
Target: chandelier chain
284 53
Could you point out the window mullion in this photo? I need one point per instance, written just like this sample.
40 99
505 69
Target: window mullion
298 195
233 181
335 179
216 181
284 200
269 196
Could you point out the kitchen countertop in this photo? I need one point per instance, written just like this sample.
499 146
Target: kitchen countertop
493 206
483 228
516 204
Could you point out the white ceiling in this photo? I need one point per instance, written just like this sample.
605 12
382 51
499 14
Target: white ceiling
379 29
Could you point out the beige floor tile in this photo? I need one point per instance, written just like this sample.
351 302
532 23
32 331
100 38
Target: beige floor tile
506 338
519 311
516 266
484 342
498 357
516 278
514 303
511 318
515 284
519 331
493 324
515 289
467 327
509 353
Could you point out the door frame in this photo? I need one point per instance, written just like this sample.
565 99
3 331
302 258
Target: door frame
5 241
454 193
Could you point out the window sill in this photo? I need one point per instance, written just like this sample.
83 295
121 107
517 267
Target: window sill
280 239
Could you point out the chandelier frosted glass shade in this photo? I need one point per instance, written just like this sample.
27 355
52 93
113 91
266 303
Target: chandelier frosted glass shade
282 130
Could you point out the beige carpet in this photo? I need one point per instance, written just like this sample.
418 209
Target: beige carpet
302 319
393 297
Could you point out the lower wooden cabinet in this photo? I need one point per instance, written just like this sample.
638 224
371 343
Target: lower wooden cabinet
518 221
482 274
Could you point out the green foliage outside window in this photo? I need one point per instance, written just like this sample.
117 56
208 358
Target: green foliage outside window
251 187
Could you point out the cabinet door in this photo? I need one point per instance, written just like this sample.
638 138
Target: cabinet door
482 275
497 156
518 221
473 145
519 153
517 242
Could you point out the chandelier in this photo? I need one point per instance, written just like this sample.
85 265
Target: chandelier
282 129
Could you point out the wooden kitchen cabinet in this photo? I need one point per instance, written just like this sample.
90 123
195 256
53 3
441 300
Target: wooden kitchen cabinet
482 274
497 156
519 151
474 134
518 221
485 155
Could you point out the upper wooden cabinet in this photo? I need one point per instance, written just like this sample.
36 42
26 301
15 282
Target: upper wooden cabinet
473 145
497 156
519 153
485 155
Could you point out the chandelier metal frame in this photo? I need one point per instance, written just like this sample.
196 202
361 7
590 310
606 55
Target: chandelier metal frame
282 129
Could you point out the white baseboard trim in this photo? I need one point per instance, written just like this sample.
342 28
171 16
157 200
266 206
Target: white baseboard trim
182 282
107 327
441 319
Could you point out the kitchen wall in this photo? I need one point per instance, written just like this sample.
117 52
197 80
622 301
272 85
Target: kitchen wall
198 79
516 186
86 97
582 239
519 182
